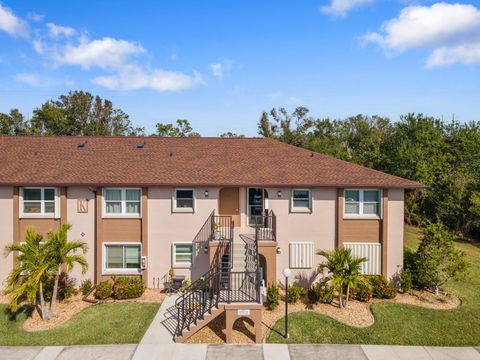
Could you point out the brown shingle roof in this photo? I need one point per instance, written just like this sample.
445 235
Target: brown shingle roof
177 161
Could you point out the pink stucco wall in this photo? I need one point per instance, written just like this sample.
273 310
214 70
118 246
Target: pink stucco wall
82 222
318 227
166 226
6 231
395 231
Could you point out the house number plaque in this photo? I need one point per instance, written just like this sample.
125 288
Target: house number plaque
243 312
82 206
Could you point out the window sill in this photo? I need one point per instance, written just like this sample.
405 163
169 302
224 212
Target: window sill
301 211
39 216
121 216
361 217
183 210
122 272
182 266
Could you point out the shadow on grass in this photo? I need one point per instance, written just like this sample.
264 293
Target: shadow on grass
22 312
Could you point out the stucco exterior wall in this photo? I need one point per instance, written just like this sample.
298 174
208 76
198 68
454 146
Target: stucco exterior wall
318 227
166 227
82 223
6 229
395 232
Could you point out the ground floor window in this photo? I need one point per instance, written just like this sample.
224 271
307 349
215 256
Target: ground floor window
182 254
122 257
301 255
372 252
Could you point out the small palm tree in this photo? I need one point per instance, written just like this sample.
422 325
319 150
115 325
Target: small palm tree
63 256
31 270
344 272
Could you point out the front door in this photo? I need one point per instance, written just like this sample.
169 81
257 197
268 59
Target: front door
255 204
229 204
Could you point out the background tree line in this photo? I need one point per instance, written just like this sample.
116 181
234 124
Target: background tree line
443 155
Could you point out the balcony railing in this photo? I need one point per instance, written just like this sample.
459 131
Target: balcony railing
266 227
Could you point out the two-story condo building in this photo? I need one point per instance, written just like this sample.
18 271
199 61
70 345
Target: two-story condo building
145 205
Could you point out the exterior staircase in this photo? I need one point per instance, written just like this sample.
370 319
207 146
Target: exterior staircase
234 276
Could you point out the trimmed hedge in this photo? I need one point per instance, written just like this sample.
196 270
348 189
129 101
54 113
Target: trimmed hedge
103 290
126 287
273 297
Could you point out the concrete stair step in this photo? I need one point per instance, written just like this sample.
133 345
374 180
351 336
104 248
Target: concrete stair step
200 324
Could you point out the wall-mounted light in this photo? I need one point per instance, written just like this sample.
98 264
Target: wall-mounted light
279 250
143 262
206 193
205 249
279 193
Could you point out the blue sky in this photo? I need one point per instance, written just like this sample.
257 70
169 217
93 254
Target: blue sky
221 63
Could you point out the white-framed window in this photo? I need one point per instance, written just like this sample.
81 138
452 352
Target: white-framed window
122 201
122 258
182 254
301 200
39 202
363 203
300 255
184 200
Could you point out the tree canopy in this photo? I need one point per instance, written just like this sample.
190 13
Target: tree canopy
443 155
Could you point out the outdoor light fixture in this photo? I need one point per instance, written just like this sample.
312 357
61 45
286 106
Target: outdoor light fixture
286 272
279 193
205 249
206 193
279 250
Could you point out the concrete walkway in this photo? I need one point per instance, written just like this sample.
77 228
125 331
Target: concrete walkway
234 352
162 328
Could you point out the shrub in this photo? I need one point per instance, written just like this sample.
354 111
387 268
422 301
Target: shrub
295 293
381 289
66 287
406 281
126 287
273 297
103 290
86 286
363 292
320 292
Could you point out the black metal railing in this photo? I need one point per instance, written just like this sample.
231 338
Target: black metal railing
205 233
201 297
266 226
242 287
222 227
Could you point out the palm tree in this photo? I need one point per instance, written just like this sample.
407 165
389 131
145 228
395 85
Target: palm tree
63 256
31 270
344 272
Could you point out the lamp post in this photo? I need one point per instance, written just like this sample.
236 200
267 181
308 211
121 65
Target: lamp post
286 272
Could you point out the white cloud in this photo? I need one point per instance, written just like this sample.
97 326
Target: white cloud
217 70
106 53
28 78
340 8
58 30
35 17
450 31
133 77
12 24
220 69
464 53
117 57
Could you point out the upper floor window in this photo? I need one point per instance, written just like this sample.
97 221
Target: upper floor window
184 200
362 203
301 199
122 201
38 201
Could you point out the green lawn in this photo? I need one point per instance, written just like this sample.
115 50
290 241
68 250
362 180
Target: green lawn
113 323
400 324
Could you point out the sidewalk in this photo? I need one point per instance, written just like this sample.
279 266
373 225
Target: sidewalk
234 352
